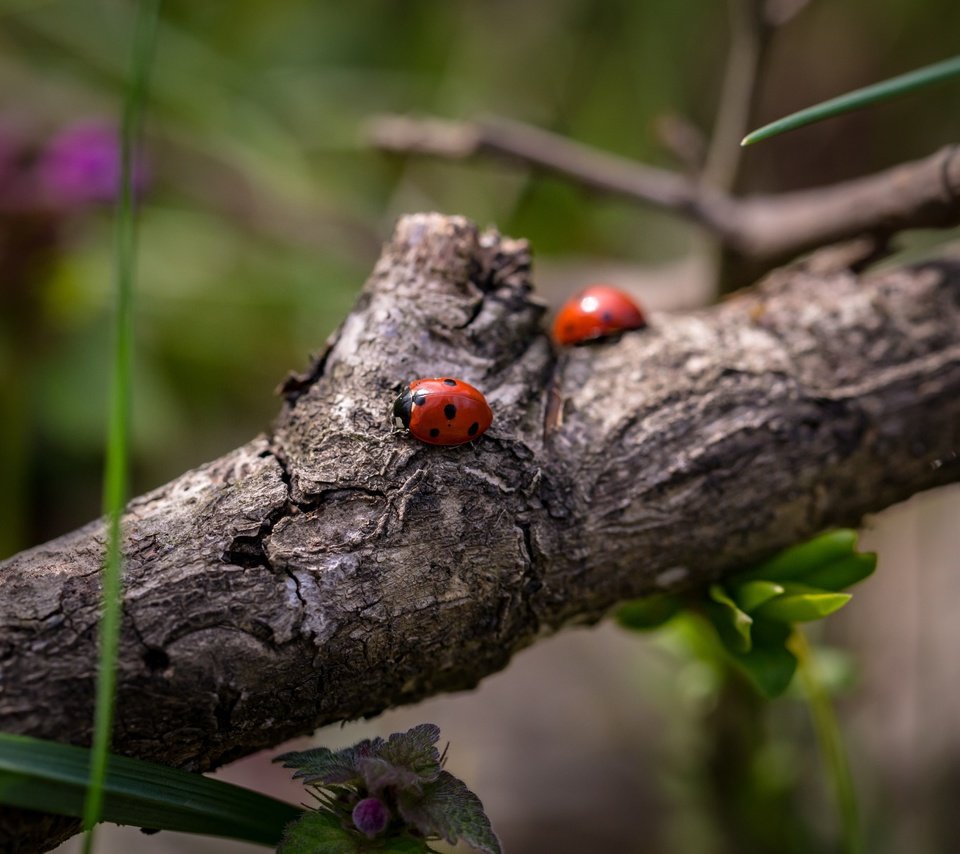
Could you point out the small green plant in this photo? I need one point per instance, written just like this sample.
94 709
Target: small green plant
381 795
753 614
754 611
388 795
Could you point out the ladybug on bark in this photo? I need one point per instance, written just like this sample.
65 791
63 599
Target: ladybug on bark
442 411
596 312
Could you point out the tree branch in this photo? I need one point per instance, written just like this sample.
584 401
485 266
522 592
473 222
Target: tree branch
334 568
764 230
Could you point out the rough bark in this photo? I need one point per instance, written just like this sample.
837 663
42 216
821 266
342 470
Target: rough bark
334 567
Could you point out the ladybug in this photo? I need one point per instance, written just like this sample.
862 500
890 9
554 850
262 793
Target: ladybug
596 312
442 411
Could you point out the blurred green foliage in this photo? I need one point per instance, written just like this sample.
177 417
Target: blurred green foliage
266 208
266 211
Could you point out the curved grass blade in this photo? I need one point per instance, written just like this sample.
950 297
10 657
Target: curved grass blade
118 438
49 776
858 98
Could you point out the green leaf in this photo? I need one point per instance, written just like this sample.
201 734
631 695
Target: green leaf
404 845
415 750
447 808
323 766
801 603
378 774
752 594
320 831
52 777
405 759
732 624
842 573
795 562
650 612
768 664
858 98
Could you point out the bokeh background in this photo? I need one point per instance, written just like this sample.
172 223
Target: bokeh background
263 210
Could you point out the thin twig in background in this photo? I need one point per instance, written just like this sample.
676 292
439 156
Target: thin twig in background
749 39
748 42
764 230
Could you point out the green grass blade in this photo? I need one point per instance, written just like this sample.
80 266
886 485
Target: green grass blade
116 467
891 88
49 776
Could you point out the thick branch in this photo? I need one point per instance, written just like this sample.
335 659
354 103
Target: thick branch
761 229
335 568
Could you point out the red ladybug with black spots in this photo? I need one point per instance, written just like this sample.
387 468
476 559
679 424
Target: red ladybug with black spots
442 411
597 312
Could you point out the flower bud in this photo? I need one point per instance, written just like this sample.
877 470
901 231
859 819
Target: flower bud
370 816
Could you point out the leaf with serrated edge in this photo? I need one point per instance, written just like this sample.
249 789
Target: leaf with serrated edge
448 809
323 766
751 594
377 774
793 562
651 612
732 624
415 750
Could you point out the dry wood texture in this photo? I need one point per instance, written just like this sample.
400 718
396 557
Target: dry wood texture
334 567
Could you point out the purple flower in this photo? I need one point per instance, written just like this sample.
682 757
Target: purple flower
370 816
81 165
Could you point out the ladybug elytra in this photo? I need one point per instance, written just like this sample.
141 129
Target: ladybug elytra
596 312
442 411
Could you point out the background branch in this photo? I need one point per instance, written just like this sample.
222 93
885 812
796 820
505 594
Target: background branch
749 38
333 568
762 230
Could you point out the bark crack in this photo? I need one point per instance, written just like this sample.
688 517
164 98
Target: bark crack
335 567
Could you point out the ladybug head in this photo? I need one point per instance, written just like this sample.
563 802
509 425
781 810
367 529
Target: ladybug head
401 409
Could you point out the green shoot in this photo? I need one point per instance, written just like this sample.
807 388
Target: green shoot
830 740
876 93
115 474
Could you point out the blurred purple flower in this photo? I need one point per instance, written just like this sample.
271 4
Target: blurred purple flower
81 165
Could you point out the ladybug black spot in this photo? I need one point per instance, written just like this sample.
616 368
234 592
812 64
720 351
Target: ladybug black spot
606 317
449 382
420 398
434 432
473 429
569 328
450 411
